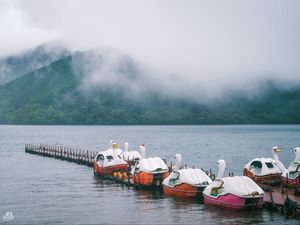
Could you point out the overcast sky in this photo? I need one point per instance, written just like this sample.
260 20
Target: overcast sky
211 41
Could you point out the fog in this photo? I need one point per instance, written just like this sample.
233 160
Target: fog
202 47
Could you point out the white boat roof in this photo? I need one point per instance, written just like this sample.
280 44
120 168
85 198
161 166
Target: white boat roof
238 185
131 155
110 159
294 163
265 169
194 177
152 165
110 151
292 168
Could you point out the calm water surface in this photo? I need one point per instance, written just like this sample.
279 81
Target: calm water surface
39 190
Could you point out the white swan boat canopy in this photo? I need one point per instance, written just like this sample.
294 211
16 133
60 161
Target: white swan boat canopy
238 185
263 166
152 165
194 177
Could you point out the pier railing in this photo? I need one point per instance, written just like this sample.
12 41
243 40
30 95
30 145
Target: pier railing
71 154
79 155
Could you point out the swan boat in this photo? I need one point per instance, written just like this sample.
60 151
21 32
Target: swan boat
185 182
238 192
265 170
109 161
149 172
131 157
292 174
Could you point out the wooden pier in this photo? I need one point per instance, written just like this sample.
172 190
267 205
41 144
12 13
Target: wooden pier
282 198
71 154
276 198
86 157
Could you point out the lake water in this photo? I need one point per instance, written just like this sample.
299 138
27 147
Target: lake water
40 190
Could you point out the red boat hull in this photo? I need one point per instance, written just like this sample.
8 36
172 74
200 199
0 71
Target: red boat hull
291 182
263 179
109 170
234 202
182 190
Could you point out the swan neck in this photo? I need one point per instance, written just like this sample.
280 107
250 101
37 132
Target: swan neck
221 171
178 163
115 152
297 155
275 156
143 152
126 145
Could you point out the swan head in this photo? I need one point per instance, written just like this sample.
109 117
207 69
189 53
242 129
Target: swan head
297 153
126 145
114 145
110 142
178 159
276 149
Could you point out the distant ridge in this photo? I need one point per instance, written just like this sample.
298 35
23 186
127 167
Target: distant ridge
14 66
106 86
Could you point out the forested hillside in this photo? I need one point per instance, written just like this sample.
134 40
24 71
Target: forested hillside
62 93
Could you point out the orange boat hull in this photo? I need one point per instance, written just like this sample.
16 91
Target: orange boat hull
182 190
109 170
149 179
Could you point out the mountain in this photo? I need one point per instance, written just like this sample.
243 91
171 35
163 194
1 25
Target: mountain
12 67
273 105
106 86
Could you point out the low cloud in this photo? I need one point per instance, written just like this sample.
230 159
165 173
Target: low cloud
200 48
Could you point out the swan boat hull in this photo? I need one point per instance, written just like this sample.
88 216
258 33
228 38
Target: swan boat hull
149 179
292 182
183 190
292 175
262 179
109 170
230 201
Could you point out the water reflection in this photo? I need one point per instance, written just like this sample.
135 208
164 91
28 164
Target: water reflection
155 207
235 216
64 193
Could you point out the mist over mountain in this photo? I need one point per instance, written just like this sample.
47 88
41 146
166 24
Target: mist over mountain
14 66
107 86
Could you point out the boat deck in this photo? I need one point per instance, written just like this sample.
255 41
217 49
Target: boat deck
282 198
